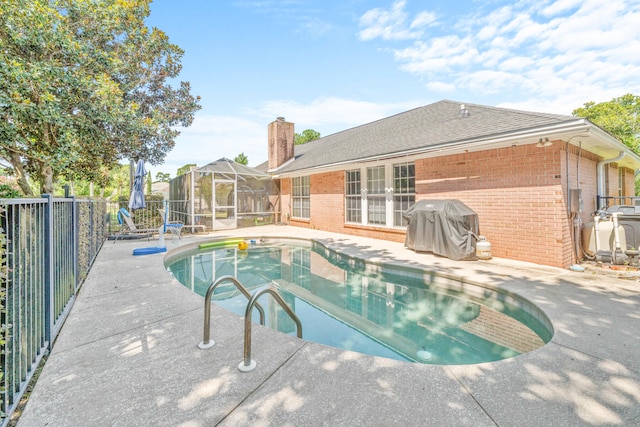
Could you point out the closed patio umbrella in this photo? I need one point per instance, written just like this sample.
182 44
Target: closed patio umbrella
136 201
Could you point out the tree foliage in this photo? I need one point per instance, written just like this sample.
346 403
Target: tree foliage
620 117
186 168
84 84
305 136
242 159
163 177
149 183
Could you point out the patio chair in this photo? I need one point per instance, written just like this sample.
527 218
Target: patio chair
129 228
175 227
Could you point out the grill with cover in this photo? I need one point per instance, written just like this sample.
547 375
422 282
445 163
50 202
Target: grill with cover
445 227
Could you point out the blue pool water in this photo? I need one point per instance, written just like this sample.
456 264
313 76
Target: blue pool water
346 303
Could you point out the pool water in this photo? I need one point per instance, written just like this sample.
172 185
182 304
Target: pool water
345 303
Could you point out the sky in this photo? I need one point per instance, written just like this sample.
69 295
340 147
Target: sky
330 65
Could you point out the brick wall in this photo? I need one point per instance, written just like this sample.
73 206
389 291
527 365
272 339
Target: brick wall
285 200
327 209
519 193
630 182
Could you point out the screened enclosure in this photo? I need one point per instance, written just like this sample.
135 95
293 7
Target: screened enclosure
224 195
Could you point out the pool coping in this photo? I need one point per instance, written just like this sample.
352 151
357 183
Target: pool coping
128 355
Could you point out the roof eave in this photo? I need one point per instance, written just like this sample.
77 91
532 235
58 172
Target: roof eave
601 143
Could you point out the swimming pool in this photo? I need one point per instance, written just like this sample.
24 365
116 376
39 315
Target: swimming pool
387 311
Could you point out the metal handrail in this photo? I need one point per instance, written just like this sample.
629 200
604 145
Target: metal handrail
248 364
207 342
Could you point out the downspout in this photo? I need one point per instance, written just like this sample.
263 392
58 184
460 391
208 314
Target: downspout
600 174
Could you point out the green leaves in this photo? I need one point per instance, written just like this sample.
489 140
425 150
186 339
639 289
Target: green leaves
306 136
620 117
241 159
84 84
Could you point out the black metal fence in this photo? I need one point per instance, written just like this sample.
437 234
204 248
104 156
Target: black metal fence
47 246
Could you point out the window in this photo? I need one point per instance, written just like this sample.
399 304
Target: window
622 185
376 211
301 197
404 190
390 190
353 197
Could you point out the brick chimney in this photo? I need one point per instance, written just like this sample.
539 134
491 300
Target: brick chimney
280 134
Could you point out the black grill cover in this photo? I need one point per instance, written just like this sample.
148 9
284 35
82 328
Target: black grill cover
444 227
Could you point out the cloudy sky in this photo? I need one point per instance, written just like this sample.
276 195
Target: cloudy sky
329 65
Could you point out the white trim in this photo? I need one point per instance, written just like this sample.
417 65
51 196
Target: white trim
389 213
293 197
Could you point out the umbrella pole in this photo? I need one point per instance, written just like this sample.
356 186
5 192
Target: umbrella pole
131 175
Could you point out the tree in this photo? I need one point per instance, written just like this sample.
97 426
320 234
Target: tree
620 117
84 85
306 136
163 177
149 183
186 168
118 182
242 159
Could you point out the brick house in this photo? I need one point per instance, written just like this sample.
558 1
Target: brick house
516 169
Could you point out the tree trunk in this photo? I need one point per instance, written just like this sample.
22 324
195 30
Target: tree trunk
46 170
16 162
47 179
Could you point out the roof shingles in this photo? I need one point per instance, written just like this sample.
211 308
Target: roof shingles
423 127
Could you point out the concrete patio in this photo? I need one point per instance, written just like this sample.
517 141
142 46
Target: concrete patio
128 355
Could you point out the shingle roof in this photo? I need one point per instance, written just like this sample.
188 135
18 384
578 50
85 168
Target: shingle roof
423 127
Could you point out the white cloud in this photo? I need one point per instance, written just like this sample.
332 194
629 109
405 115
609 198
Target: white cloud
394 24
440 86
212 137
329 114
441 55
554 53
516 63
560 6
423 19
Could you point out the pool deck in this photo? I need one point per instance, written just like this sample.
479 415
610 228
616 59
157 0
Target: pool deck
128 356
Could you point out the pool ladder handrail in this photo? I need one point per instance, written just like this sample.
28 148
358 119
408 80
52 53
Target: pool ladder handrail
248 364
207 342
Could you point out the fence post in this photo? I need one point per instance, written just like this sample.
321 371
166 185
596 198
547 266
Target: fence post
75 226
48 270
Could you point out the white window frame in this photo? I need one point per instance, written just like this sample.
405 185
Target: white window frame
353 196
381 192
301 197
403 192
376 178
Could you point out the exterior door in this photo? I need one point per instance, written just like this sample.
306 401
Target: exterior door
224 202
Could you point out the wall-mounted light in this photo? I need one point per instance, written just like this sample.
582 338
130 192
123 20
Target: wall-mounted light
544 143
